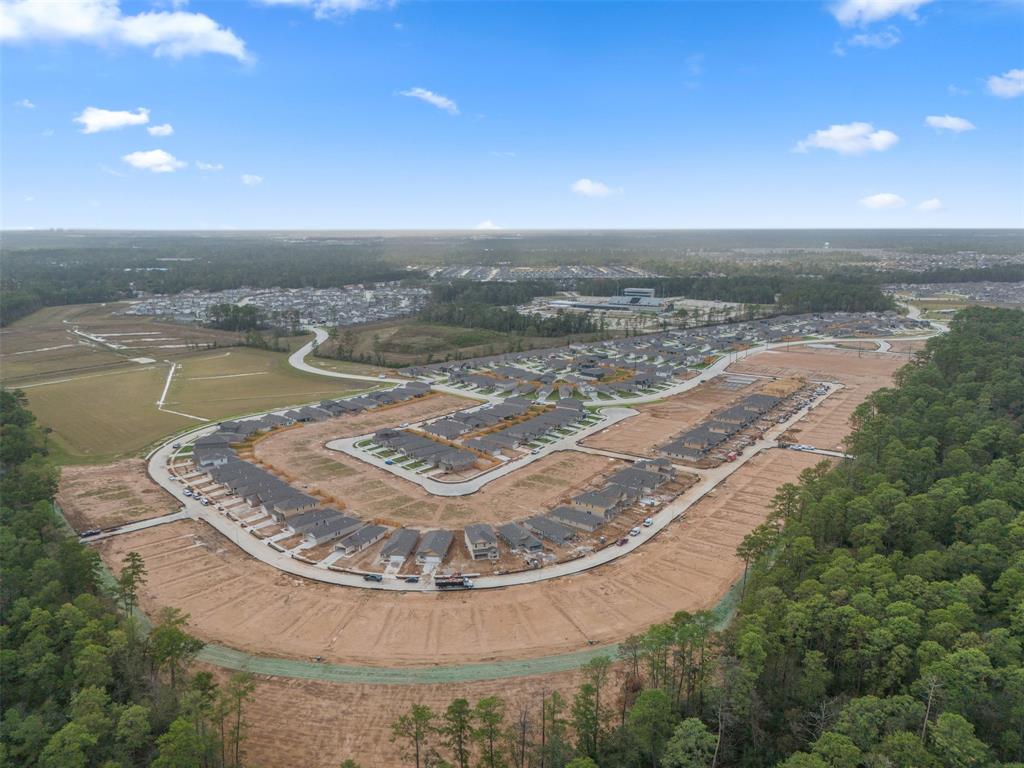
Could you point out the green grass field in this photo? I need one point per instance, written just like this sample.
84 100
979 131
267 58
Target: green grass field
411 342
97 417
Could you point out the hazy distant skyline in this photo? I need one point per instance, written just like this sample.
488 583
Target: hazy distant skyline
357 114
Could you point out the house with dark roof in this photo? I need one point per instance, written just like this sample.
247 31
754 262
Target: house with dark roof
433 547
481 541
365 537
640 479
576 518
549 529
334 526
399 546
518 538
605 502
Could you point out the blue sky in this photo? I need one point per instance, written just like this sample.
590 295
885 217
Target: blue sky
353 114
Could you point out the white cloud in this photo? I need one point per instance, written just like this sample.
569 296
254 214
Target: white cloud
949 123
436 99
251 179
883 200
887 38
589 188
930 205
209 166
161 130
1008 85
487 225
94 119
155 160
325 9
100 22
695 64
956 90
849 139
859 12
25 104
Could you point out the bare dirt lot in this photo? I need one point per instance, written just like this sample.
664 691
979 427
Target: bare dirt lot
657 423
860 373
236 601
329 722
379 495
907 347
111 494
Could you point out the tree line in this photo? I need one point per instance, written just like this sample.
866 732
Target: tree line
880 616
82 683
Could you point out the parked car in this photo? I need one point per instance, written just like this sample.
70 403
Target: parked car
535 451
372 577
648 522
187 492
91 532
412 579
389 462
176 446
622 542
634 531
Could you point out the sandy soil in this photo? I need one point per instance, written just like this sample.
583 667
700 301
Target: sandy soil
317 724
239 602
907 347
658 423
99 496
379 495
861 374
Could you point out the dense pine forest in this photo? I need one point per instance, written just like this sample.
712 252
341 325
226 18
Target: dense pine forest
881 621
82 683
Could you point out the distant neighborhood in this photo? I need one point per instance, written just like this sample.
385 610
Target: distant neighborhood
348 305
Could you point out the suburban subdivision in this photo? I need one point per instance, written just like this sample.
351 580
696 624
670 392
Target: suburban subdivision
505 516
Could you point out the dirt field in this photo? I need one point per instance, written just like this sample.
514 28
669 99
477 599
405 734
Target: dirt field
239 602
112 494
907 347
329 722
861 374
658 423
378 494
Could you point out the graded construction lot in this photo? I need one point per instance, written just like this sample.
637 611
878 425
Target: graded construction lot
657 423
241 603
109 495
378 494
329 722
861 373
